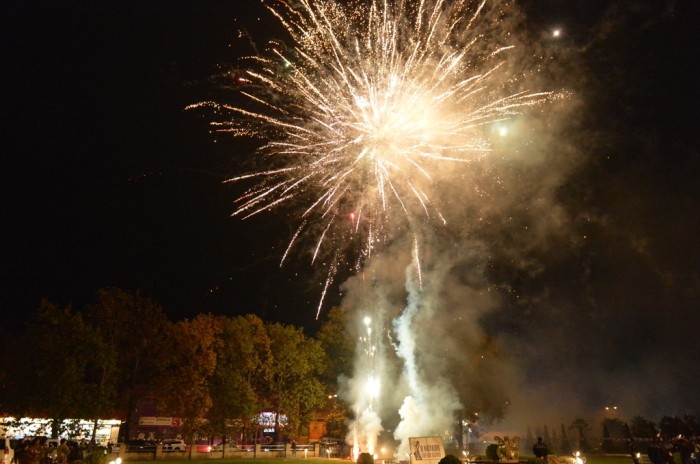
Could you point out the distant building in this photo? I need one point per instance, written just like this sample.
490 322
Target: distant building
107 429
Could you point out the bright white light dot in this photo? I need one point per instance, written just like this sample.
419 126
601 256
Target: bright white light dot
373 387
556 33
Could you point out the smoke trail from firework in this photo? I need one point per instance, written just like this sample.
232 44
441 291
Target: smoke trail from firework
420 416
367 424
365 119
362 115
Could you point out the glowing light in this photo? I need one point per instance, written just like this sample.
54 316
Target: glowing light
362 111
556 33
373 387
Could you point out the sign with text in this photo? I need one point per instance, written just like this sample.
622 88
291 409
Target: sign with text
426 450
159 421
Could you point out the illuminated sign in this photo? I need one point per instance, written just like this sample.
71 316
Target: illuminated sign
269 419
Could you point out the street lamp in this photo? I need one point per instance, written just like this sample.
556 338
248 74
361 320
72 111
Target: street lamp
612 410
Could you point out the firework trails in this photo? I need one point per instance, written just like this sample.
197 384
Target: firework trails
365 115
363 111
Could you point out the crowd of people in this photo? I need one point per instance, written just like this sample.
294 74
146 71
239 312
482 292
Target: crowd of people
662 451
39 450
659 452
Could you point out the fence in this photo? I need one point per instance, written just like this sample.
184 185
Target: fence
281 450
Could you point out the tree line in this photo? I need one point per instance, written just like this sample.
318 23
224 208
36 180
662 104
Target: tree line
618 436
214 372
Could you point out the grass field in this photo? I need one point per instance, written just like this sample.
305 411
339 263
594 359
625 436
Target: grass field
243 461
608 459
595 459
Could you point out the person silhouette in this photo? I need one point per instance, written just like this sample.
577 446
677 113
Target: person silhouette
540 450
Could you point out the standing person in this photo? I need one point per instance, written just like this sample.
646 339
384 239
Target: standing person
668 449
632 450
19 458
294 447
685 447
62 452
540 450
35 453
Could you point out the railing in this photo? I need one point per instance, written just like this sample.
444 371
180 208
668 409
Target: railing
260 451
275 450
140 448
334 451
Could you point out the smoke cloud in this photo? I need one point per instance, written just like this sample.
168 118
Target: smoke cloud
551 292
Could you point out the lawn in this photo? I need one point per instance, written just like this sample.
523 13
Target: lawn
595 459
241 461
608 459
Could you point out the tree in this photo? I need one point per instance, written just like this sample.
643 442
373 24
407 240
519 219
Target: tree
98 396
136 330
337 420
529 439
184 387
339 351
545 436
642 428
692 425
582 427
65 369
242 372
607 440
672 426
338 346
565 447
615 434
294 388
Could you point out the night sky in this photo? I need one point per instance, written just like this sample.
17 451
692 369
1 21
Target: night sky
109 182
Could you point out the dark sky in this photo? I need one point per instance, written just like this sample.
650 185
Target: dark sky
108 182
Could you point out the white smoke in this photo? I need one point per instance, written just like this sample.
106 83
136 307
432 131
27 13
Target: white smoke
431 403
436 359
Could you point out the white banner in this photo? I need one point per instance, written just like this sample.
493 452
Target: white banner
159 421
426 450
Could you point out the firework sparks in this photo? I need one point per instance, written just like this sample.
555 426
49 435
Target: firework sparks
360 115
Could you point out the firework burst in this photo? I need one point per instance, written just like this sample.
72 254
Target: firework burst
362 115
